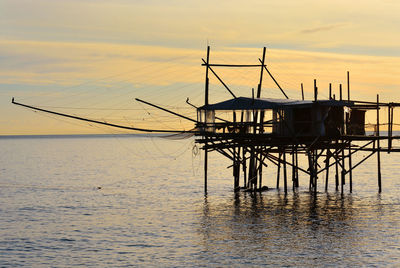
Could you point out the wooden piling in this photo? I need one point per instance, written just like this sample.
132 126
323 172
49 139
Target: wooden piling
310 156
296 170
205 170
293 168
315 171
330 91
278 171
337 166
350 169
302 92
378 144
390 127
327 169
284 172
343 177
244 167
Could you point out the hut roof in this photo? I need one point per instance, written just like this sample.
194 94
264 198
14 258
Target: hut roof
243 103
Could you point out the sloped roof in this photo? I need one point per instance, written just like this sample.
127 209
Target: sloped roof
243 103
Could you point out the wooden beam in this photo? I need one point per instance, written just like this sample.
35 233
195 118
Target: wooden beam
166 110
275 80
100 122
220 80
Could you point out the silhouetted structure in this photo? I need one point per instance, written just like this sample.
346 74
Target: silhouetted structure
252 132
261 130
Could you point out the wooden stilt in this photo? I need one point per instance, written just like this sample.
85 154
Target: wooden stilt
391 127
293 168
284 172
350 169
343 177
337 167
244 167
327 169
205 170
297 170
260 169
315 171
278 171
310 156
236 169
378 145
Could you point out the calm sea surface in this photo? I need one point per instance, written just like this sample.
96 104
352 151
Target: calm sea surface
138 201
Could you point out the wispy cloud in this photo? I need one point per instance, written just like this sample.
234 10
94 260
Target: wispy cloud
323 28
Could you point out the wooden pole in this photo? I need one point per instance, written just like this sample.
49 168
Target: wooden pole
261 75
348 86
278 171
343 182
206 103
205 170
315 90
284 172
391 127
244 168
350 169
260 168
302 92
388 129
315 171
340 92
236 163
337 167
260 165
207 79
310 156
350 164
378 143
293 168
330 91
297 170
327 168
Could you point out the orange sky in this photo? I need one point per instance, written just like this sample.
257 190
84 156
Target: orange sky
92 58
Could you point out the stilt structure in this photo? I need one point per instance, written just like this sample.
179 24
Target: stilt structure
328 131
274 132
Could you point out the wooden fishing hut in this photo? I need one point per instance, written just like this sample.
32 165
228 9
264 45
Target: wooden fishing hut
256 133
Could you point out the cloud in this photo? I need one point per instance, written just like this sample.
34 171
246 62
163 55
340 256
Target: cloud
107 75
323 28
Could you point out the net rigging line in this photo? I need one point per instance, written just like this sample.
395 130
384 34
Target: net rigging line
141 67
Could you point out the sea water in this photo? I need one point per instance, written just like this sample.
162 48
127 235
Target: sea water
118 201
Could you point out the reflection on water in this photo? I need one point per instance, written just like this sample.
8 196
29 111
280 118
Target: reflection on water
150 210
280 229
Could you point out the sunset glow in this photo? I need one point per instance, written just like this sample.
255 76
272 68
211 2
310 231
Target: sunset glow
100 55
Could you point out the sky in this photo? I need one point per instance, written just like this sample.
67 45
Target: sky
93 57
